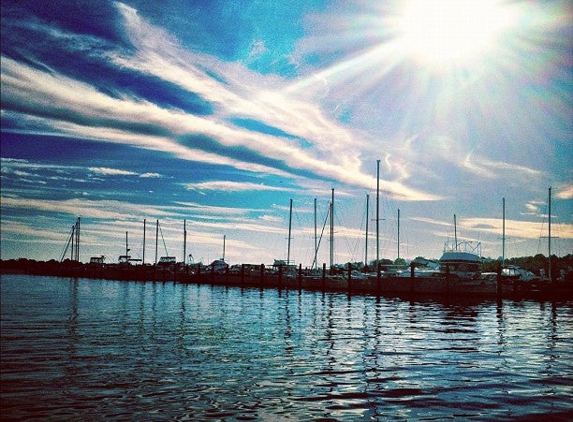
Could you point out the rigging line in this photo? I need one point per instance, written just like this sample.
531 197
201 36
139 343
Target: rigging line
320 238
339 224
298 223
541 229
354 246
68 244
164 245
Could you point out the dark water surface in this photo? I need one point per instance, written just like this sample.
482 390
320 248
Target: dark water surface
78 349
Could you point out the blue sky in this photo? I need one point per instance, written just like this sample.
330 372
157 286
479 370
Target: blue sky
220 112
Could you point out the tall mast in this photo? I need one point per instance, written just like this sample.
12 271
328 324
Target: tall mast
398 233
315 238
367 216
126 247
289 233
549 234
377 213
503 236
143 257
78 223
184 242
156 238
455 233
73 237
224 246
332 230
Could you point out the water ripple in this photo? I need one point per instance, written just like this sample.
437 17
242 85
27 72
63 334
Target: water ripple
75 349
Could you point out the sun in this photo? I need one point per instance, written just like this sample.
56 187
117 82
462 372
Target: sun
447 32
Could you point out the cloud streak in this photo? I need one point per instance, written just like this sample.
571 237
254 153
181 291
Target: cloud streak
229 186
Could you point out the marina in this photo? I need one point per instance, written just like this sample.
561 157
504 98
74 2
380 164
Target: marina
457 273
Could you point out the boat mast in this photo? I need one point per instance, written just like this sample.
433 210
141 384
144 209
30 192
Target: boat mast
143 257
366 245
455 233
77 256
315 238
184 242
377 213
289 233
224 245
332 230
156 238
503 236
398 233
126 247
73 237
549 234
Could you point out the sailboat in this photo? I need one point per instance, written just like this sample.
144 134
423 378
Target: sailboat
219 266
166 260
513 272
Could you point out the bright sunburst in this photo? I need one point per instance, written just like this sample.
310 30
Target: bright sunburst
444 32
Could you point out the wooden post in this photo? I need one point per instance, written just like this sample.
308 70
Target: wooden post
499 282
378 278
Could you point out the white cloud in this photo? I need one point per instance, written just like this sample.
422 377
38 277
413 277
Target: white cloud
111 172
229 186
212 210
485 168
114 210
566 192
514 228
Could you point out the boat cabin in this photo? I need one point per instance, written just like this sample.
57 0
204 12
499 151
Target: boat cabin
167 260
460 264
218 266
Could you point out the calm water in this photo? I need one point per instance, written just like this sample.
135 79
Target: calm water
78 349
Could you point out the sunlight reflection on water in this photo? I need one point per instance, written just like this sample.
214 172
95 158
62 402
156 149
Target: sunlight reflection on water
76 349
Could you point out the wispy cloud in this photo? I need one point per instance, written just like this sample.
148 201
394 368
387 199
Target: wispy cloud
229 186
212 210
515 228
485 168
106 171
113 210
533 208
150 175
565 192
